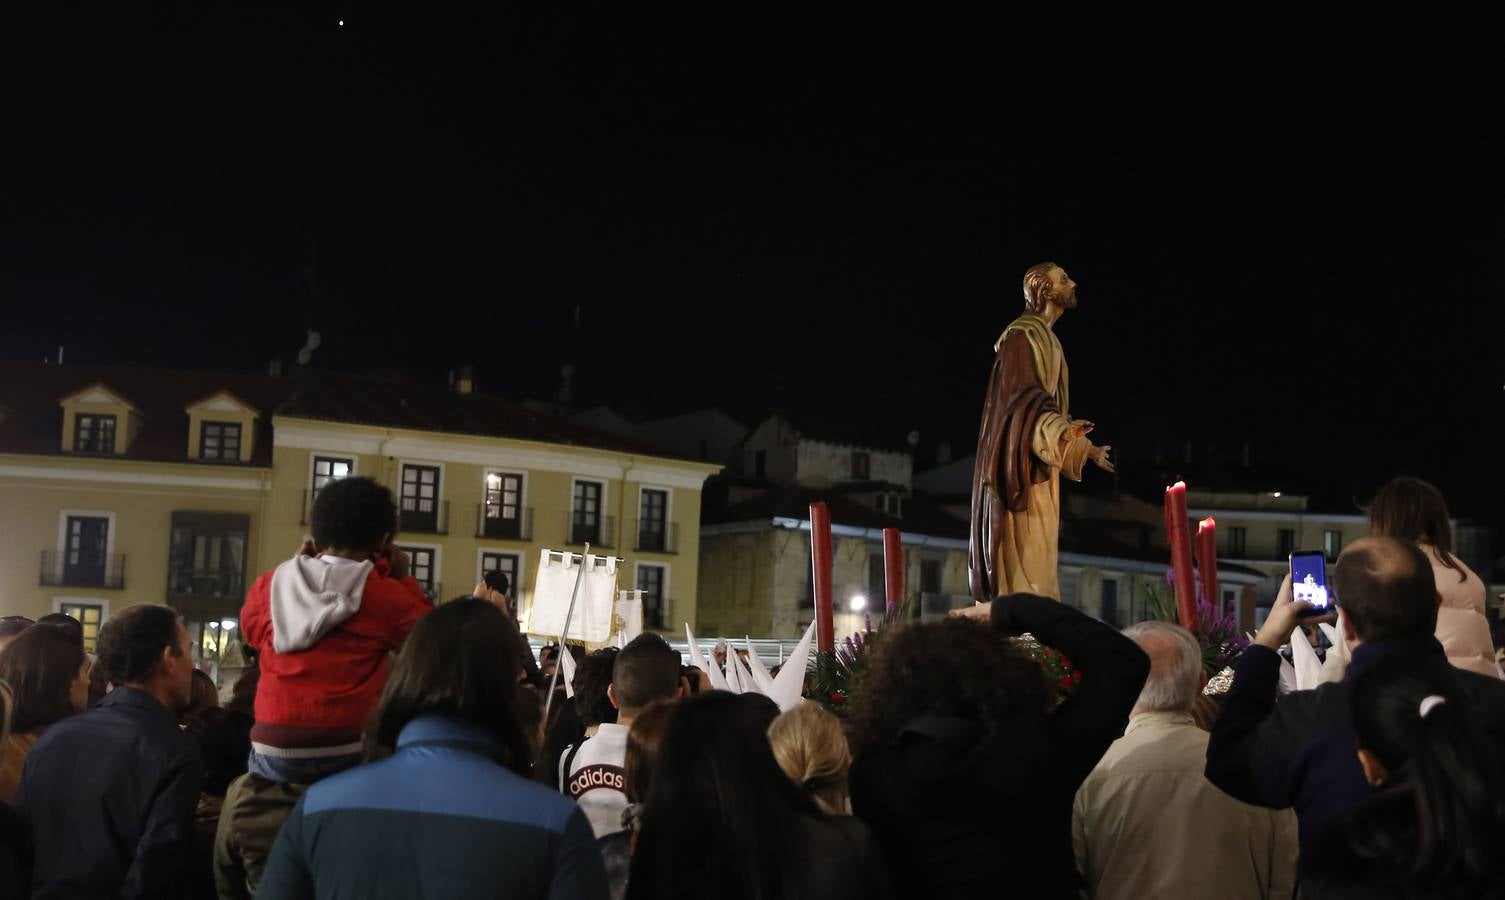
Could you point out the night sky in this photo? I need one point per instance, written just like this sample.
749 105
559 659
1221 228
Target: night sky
1287 232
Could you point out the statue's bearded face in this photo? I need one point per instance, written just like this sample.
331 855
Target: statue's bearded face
1062 289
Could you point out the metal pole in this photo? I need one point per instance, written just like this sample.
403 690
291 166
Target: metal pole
569 614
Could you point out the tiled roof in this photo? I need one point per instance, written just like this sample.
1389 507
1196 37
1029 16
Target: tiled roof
920 515
397 402
33 419
33 391
831 430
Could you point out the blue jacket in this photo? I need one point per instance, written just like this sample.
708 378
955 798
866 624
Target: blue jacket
110 795
1300 752
440 818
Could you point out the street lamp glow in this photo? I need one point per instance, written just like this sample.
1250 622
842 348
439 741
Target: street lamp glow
858 603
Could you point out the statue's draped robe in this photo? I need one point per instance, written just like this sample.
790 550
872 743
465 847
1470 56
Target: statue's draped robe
1023 447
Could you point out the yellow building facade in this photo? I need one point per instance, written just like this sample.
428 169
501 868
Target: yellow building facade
120 487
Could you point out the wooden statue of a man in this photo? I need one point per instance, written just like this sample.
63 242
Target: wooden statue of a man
1027 441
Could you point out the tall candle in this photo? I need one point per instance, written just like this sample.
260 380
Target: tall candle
893 568
1207 563
1178 535
820 575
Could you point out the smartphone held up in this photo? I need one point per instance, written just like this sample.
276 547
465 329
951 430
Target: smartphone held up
1309 582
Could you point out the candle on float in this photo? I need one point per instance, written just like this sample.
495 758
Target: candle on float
1178 535
820 576
893 568
1207 562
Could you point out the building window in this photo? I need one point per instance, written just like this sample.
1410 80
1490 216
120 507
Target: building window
585 513
1109 609
861 466
653 520
94 434
891 504
219 440
930 576
760 464
651 580
89 615
502 511
207 560
877 587
1236 542
211 638
330 468
85 557
1332 544
1285 542
418 508
421 567
508 564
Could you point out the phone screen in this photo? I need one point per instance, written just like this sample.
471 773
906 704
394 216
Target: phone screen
1309 579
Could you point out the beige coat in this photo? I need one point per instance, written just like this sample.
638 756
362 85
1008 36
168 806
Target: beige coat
1461 626
1148 823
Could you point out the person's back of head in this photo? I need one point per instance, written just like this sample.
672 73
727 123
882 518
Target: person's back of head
957 668
224 741
458 663
592 686
202 695
1385 589
73 627
10 626
146 647
1413 510
643 741
812 750
243 692
48 675
715 769
646 670
1440 814
353 515
1175 679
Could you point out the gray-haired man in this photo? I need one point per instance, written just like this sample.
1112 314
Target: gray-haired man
1147 822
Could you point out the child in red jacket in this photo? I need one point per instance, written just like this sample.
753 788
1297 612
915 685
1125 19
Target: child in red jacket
324 623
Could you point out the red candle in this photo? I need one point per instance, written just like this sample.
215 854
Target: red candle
1207 562
1178 535
820 576
893 567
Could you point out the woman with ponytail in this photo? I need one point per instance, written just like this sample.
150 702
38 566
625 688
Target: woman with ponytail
1435 826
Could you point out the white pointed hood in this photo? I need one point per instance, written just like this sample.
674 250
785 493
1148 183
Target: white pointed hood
311 596
790 682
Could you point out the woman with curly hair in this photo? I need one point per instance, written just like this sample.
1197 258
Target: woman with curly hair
966 767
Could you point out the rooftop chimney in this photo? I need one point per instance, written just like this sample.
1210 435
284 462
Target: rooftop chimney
464 380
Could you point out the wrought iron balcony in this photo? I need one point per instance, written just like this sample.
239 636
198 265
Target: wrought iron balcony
598 531
191 583
498 526
74 569
657 536
434 519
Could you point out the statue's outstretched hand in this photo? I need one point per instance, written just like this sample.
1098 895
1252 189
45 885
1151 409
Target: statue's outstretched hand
1099 455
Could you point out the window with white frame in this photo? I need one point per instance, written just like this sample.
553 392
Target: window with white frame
219 441
653 581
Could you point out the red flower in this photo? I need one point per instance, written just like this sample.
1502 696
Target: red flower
1076 677
837 699
1066 682
1064 661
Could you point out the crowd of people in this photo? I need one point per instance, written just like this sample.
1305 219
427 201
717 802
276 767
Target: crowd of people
381 746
